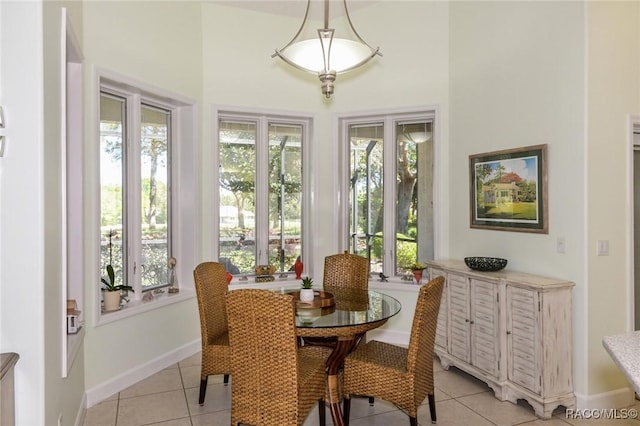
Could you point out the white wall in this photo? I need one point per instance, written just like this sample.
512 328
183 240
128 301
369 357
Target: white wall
158 44
517 79
22 232
613 93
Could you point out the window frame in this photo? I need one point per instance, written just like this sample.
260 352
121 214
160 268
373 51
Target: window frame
183 179
389 120
264 118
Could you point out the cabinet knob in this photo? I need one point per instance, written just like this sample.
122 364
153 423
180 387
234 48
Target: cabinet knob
466 320
508 332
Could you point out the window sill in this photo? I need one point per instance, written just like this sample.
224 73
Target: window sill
136 307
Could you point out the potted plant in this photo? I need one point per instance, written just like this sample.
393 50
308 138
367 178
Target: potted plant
111 291
417 269
306 294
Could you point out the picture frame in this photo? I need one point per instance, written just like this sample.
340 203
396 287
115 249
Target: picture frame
508 190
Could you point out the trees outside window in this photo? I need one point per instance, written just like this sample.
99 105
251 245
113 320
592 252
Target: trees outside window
261 191
135 195
389 179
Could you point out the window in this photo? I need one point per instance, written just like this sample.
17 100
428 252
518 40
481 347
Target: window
261 189
135 192
388 173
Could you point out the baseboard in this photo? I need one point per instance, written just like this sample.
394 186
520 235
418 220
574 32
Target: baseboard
400 338
81 412
105 389
618 398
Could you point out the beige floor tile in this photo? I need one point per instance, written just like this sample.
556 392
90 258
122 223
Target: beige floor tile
549 422
185 421
360 407
457 383
219 418
502 413
154 408
193 360
165 380
217 398
191 377
103 414
451 413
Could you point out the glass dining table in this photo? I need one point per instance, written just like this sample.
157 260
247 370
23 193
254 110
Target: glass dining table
343 316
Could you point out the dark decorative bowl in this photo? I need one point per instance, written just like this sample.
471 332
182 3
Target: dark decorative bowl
485 264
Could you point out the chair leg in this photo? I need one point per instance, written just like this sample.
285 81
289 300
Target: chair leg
322 414
226 379
371 400
432 407
413 421
203 390
346 408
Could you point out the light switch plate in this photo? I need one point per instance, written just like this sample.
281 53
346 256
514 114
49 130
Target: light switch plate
603 248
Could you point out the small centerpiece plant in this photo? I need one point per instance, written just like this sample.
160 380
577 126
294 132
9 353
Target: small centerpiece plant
306 294
307 283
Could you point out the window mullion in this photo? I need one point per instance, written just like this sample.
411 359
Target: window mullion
389 198
261 192
133 201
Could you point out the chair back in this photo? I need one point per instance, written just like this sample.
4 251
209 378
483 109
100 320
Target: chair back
211 287
423 330
264 357
346 270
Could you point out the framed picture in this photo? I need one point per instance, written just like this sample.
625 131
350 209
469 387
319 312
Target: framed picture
509 190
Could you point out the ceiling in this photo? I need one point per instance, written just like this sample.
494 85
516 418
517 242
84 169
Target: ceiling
293 8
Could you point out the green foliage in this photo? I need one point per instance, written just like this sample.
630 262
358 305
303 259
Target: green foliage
110 282
307 283
406 248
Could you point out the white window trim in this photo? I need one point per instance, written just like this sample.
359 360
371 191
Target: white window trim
184 184
389 118
309 180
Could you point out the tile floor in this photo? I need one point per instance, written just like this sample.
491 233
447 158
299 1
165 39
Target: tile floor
170 398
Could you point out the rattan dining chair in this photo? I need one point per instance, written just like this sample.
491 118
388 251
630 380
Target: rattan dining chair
211 287
346 270
273 384
402 376
342 272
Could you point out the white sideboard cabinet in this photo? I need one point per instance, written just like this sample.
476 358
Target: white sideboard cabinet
511 330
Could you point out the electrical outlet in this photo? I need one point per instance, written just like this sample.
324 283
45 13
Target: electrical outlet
561 245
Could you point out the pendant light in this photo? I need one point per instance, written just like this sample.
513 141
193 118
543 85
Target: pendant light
326 51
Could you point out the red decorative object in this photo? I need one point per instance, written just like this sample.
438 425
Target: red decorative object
298 267
229 277
417 275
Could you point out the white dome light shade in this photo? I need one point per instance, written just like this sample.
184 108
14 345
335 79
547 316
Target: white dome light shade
344 55
326 51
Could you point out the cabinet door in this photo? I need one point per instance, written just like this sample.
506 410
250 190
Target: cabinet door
441 327
459 337
485 317
523 341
